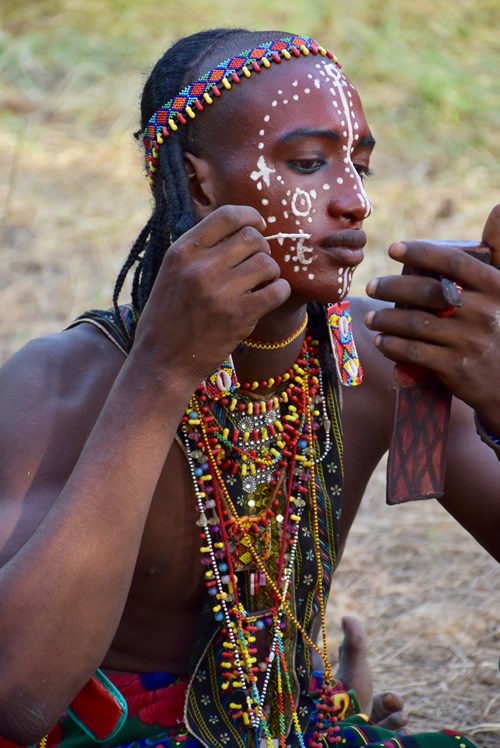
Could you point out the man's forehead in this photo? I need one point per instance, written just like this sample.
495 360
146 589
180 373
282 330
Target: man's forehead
304 81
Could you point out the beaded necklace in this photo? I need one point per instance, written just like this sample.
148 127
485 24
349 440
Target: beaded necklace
253 470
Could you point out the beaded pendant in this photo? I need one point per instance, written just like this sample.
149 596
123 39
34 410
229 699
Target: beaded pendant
344 350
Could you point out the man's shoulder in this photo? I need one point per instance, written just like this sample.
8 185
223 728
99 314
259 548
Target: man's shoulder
58 364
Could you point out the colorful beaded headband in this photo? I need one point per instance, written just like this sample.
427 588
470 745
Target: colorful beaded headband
191 99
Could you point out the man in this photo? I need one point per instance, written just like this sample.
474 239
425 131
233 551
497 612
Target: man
120 473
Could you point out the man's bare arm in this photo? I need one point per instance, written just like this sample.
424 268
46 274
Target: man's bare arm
75 499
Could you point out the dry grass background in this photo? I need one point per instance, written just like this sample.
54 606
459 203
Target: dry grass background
72 198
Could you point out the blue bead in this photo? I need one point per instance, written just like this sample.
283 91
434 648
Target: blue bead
198 472
219 616
302 443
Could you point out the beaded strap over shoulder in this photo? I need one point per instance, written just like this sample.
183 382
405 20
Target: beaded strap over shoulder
122 335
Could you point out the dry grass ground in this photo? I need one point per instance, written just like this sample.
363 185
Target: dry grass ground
72 198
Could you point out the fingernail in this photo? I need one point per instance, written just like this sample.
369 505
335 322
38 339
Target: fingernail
397 250
371 287
378 340
369 318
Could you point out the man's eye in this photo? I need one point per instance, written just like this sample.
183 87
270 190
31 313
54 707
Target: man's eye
306 165
363 171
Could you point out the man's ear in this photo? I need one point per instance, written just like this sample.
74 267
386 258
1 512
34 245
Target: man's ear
201 184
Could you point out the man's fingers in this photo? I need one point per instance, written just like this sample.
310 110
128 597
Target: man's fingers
221 224
410 290
491 234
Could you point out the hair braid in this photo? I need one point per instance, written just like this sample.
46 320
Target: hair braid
133 257
173 212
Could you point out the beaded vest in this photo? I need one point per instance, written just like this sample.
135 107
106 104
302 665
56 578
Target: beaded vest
221 706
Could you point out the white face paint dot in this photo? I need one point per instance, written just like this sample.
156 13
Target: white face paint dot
307 90
271 219
261 132
356 137
280 92
261 146
267 118
311 276
295 97
317 83
356 126
295 83
284 202
326 187
347 170
265 201
340 180
285 101
285 214
275 103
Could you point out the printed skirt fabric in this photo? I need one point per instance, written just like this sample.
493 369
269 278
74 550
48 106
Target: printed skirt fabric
153 716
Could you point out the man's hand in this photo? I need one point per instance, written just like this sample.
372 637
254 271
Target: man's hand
462 349
215 283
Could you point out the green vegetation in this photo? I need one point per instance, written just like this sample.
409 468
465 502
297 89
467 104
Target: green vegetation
72 194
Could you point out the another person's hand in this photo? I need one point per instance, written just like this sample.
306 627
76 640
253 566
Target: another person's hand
462 348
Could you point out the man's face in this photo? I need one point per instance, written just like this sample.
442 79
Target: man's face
296 146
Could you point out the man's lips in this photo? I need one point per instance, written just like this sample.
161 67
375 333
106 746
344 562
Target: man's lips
349 239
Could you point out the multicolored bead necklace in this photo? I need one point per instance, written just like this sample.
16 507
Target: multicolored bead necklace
262 452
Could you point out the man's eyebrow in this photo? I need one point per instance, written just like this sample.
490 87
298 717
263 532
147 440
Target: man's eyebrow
308 132
303 133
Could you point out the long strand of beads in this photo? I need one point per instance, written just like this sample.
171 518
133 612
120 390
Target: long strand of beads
325 709
215 572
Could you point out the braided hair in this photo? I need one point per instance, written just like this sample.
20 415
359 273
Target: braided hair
173 213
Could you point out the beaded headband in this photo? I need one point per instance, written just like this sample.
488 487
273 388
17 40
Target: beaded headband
192 98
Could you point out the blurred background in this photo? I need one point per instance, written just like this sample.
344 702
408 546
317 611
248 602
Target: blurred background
73 197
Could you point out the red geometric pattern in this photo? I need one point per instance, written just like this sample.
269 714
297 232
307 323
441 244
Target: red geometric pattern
194 97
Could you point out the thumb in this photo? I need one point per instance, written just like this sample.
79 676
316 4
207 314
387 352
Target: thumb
491 234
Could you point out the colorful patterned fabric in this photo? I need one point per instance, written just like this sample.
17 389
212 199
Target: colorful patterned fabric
155 720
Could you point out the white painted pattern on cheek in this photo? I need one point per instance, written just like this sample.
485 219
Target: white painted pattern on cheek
264 172
301 202
339 81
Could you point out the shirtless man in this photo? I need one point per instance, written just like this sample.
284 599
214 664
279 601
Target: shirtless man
101 504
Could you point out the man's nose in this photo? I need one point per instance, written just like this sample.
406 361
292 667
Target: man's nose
348 198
